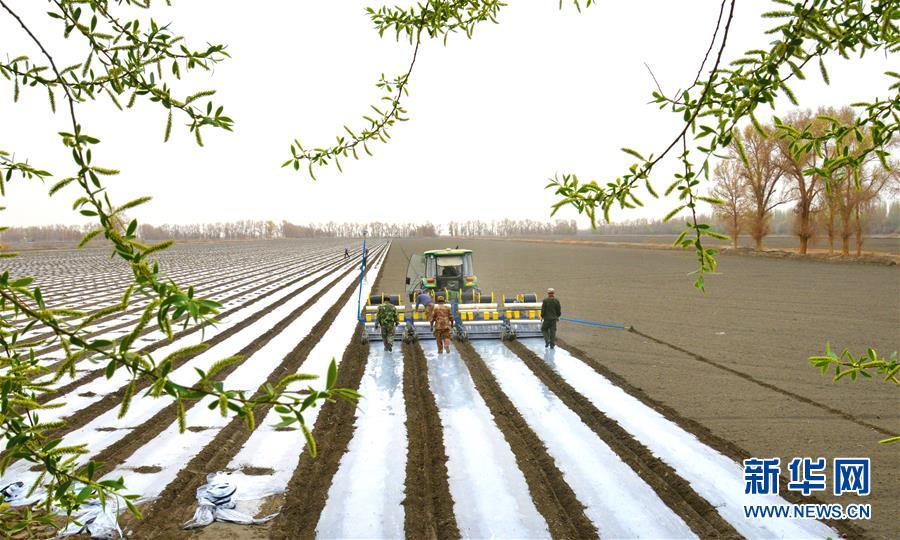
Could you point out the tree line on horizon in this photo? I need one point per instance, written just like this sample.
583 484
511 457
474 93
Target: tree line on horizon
878 218
267 229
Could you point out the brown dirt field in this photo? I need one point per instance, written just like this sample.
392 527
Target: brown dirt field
886 258
731 366
873 245
552 496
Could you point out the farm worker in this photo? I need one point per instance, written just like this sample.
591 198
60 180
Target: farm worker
454 296
424 299
386 318
551 311
346 253
441 323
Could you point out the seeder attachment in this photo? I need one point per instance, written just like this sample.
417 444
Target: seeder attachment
477 317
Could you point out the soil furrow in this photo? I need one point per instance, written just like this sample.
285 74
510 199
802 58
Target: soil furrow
108 289
307 268
428 503
112 292
675 491
707 437
307 490
550 492
117 452
175 505
95 374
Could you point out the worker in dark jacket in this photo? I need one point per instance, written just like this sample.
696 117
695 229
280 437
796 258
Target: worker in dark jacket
551 311
424 299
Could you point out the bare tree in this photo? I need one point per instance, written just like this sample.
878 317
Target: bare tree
796 160
874 181
730 188
761 172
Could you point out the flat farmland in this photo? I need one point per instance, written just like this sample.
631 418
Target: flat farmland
731 366
614 435
887 245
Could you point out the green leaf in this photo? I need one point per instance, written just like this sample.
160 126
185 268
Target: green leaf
332 375
310 441
671 214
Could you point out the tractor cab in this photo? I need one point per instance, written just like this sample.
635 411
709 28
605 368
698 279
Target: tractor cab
441 270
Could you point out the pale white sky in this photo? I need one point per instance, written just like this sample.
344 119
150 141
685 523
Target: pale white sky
545 91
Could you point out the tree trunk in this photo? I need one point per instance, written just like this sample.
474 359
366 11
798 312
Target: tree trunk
845 243
735 228
804 228
859 235
830 229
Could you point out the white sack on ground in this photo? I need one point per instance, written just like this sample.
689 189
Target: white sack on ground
96 520
16 494
216 503
92 518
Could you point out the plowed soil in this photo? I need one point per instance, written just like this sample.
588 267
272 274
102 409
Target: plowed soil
731 366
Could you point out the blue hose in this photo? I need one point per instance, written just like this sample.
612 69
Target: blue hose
362 272
592 323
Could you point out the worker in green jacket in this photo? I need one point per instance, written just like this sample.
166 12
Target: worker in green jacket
386 318
551 311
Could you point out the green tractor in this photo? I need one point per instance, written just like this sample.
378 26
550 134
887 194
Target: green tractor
443 270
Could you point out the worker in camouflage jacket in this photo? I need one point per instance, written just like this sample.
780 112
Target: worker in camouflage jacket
441 322
386 318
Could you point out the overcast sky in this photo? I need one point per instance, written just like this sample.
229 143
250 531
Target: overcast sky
545 91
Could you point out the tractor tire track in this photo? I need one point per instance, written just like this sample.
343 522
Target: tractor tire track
175 504
674 491
768 386
552 495
428 504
